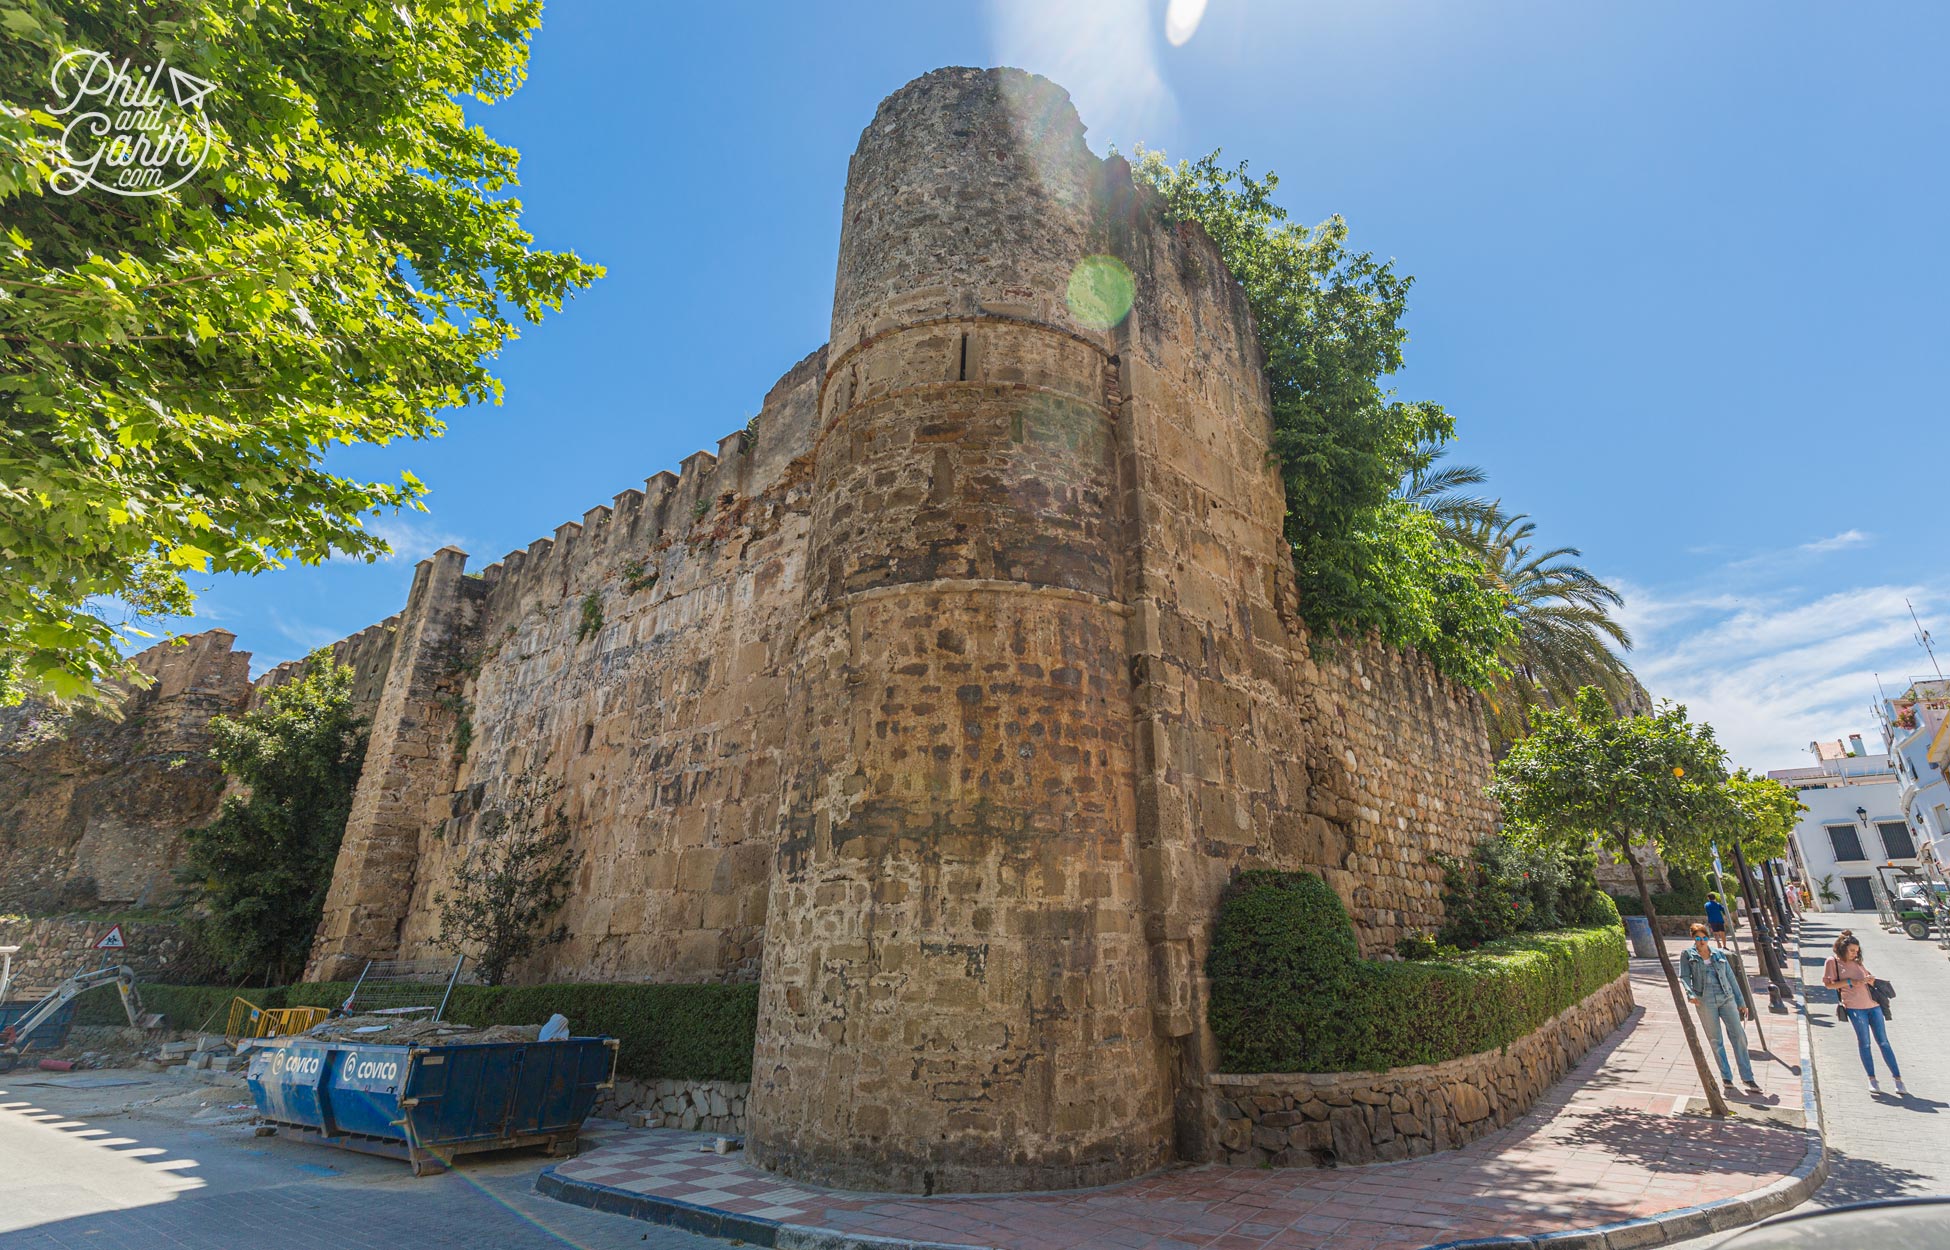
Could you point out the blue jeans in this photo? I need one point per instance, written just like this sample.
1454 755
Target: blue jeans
1719 1013
1868 1022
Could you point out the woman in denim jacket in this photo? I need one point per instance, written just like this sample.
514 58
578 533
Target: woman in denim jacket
1713 987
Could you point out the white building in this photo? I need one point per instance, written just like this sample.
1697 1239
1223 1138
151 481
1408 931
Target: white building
1854 822
1912 721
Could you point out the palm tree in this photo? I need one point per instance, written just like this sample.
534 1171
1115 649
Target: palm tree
1565 635
1438 492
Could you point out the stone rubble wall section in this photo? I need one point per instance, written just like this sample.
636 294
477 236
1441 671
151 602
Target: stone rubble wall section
368 653
1330 1119
93 808
54 948
693 1106
636 660
1401 762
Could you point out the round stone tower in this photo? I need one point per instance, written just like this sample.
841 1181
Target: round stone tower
956 988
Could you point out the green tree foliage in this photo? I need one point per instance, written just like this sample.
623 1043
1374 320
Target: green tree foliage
176 368
1584 772
1762 815
1330 327
1290 992
1685 895
265 863
511 880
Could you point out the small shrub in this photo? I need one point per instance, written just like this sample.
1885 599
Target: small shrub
1422 945
1505 888
512 880
636 578
592 616
1417 945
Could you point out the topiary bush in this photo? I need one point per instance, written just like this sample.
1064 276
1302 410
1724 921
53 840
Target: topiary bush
1278 932
1290 992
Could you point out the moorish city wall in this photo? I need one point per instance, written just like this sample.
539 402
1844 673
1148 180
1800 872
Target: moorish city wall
944 699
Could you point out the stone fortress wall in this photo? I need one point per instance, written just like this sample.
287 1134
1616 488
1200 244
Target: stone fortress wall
93 807
944 699
949 694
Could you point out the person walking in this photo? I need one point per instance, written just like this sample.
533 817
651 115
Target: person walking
1846 975
1716 916
1713 987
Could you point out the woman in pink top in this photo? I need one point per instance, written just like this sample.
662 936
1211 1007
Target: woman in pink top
1846 974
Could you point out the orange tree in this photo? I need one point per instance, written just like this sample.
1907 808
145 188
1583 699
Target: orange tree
1585 772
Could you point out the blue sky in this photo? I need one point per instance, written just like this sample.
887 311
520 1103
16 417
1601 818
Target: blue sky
1681 277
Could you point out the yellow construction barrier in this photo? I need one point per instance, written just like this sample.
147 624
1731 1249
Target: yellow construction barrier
247 1019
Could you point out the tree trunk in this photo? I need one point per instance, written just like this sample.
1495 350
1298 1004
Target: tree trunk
1714 1099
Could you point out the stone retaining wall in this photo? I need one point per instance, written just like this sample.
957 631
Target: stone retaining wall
695 1106
53 948
1320 1120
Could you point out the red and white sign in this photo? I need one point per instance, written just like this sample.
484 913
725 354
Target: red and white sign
112 940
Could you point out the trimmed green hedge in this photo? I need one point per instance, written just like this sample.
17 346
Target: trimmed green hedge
185 1007
1289 993
675 1032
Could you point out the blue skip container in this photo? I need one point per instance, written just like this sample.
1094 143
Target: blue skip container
429 1103
49 1034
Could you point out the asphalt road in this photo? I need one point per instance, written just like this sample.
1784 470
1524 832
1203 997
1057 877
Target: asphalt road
155 1165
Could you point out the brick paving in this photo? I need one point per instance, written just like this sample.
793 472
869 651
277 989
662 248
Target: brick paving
1612 1141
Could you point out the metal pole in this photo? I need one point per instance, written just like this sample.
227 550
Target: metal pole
1777 981
1778 893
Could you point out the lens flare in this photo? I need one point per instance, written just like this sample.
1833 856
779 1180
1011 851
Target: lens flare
1181 21
1101 290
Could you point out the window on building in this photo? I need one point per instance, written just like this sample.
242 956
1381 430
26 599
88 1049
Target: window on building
1896 840
1847 845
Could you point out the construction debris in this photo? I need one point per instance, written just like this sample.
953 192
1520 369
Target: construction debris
399 1030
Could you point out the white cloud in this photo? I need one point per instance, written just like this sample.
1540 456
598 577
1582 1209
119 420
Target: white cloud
1837 542
1775 667
412 540
1104 51
307 637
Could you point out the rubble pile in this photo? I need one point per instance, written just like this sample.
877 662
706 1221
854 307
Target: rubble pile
207 1052
400 1030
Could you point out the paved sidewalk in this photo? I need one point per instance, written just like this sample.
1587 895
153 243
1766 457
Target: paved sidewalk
1611 1143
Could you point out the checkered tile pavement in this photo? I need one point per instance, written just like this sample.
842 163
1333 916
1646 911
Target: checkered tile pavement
680 1166
1610 1142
